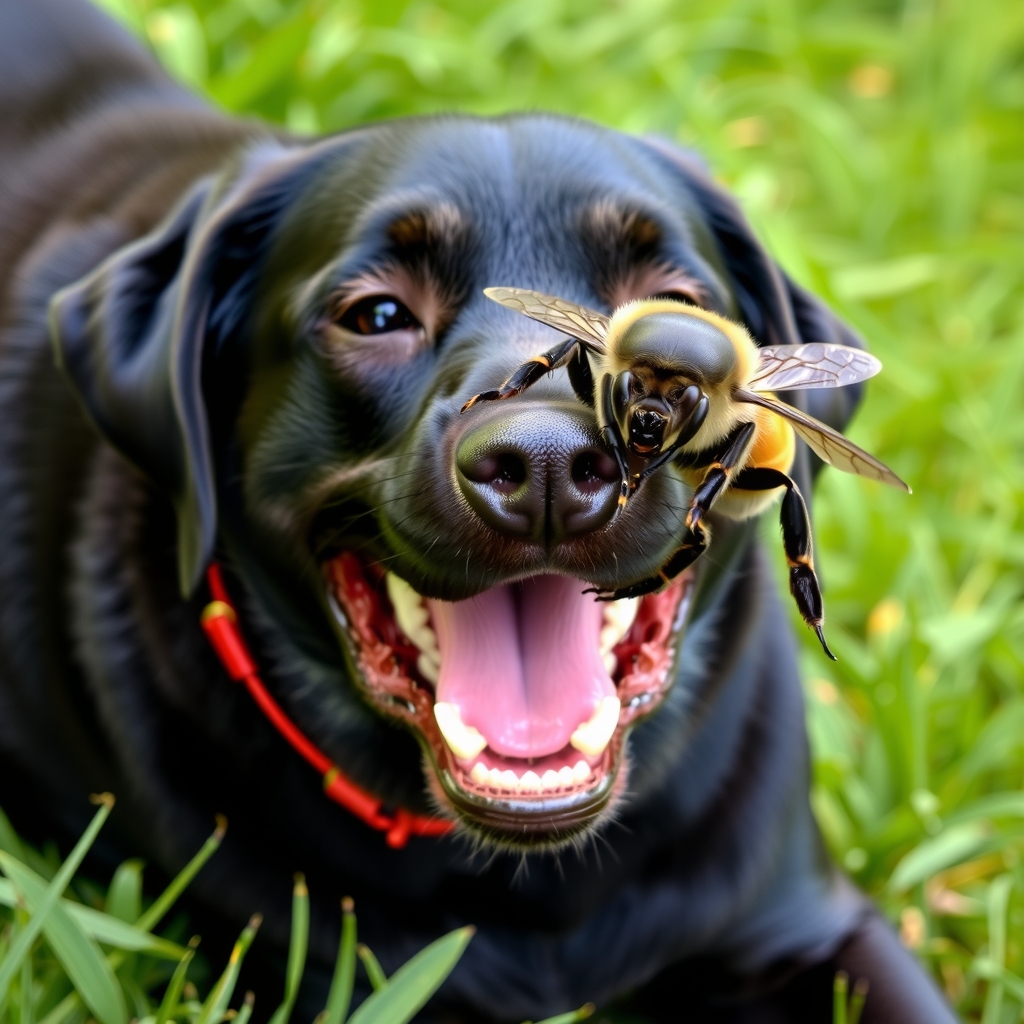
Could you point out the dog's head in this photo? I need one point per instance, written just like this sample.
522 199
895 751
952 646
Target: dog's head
286 357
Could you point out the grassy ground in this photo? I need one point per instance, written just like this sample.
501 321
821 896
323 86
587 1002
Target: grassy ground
878 147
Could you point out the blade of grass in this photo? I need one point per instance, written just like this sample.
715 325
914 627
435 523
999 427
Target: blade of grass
340 995
245 1012
63 1009
839 987
169 896
78 954
414 982
988 969
296 951
175 985
70 1003
217 1001
23 943
374 971
26 980
9 840
998 900
124 897
860 994
572 1017
104 928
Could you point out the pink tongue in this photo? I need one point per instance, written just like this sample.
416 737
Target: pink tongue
522 663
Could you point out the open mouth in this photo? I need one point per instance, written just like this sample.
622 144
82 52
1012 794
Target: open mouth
522 695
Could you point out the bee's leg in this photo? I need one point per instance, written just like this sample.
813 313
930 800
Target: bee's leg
529 373
799 547
716 479
697 536
581 376
682 558
613 437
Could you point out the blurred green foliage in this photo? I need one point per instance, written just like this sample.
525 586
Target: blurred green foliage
879 149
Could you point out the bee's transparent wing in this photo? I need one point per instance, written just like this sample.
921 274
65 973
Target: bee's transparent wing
792 367
829 445
586 325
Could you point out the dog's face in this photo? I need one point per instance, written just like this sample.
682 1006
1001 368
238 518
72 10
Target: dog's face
288 355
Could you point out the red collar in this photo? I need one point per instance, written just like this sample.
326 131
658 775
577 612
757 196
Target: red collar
220 623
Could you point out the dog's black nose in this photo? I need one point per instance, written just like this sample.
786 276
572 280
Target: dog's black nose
538 471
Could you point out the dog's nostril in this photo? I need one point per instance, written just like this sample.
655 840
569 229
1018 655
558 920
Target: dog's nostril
592 471
510 473
505 472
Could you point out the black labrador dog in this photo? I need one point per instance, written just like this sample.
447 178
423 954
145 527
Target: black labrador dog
223 347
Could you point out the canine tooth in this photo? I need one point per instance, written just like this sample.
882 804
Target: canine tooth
429 668
580 771
618 618
509 779
479 774
530 780
565 777
463 740
412 616
550 780
593 735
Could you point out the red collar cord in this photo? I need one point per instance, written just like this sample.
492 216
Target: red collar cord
220 623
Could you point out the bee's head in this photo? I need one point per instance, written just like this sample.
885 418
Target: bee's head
654 409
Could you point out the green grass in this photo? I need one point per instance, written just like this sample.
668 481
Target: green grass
879 150
62 960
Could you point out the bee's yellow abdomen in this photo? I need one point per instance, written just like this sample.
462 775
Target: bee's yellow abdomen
774 448
774 443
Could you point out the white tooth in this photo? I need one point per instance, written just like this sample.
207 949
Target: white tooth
509 779
530 780
593 735
463 740
479 774
581 771
618 618
412 616
610 662
429 668
565 777
494 778
549 780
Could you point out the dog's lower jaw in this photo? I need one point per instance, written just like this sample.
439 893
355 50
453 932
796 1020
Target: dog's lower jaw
549 777
510 825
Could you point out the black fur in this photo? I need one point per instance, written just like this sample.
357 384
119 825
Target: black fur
198 409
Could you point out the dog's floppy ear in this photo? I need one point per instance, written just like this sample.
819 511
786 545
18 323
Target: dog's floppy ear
131 338
774 309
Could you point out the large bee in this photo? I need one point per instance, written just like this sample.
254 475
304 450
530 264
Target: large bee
678 382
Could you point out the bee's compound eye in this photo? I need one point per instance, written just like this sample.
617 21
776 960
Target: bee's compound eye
690 346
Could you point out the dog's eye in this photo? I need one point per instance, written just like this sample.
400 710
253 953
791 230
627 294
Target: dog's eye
377 314
691 298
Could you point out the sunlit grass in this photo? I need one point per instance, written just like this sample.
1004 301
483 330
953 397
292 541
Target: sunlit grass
879 150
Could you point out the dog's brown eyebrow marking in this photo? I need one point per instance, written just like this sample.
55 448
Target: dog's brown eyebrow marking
439 228
612 228
625 247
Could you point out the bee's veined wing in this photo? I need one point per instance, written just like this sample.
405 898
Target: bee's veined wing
829 445
792 367
586 325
